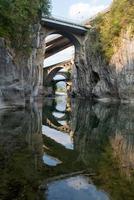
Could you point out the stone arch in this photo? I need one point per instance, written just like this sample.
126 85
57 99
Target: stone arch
63 74
74 39
52 74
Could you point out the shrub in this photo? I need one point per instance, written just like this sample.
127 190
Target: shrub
17 18
109 25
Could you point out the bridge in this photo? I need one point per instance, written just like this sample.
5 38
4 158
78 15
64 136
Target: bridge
56 45
60 43
66 65
63 24
51 71
68 34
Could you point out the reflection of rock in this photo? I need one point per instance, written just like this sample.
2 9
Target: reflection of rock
103 144
98 126
20 153
123 140
94 123
19 128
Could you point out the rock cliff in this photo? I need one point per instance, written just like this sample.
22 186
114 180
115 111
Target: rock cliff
20 72
105 68
101 79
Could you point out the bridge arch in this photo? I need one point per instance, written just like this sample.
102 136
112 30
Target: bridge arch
51 73
70 36
76 34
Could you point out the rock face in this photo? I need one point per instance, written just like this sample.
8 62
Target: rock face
123 62
97 78
20 72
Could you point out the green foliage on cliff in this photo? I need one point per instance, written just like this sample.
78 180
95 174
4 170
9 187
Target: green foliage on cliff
17 18
109 25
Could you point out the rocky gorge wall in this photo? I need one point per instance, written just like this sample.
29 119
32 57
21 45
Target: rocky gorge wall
102 80
20 72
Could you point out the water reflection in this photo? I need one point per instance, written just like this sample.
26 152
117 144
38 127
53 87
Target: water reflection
56 123
58 136
94 140
75 188
20 152
50 160
103 143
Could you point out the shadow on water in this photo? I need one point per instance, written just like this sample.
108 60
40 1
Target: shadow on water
71 149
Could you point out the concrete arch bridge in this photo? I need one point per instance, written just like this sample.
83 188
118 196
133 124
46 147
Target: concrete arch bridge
62 69
69 34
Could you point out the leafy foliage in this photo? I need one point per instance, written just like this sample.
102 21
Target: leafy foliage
17 18
110 25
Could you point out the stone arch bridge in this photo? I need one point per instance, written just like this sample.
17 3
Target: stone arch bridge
70 34
64 69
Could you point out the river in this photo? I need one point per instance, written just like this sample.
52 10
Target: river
67 149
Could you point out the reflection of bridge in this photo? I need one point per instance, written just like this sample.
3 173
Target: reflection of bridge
63 128
53 117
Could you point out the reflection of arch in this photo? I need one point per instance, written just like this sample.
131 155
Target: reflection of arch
63 128
52 121
60 80
63 117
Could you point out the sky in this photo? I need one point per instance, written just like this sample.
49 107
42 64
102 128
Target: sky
78 11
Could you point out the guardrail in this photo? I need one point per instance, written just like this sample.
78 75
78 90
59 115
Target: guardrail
62 19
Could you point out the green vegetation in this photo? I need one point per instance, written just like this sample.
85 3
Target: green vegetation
109 26
17 19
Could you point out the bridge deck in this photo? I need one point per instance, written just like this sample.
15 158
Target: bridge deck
58 64
63 25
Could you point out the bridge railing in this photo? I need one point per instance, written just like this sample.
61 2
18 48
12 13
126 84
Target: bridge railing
63 19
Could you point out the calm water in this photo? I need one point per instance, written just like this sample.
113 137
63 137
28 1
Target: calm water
67 150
